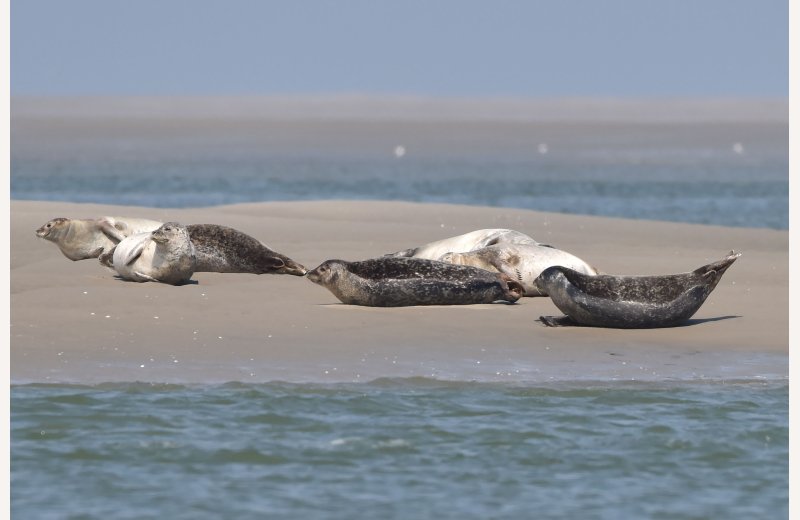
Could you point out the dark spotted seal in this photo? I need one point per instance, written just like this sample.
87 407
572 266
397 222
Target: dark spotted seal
80 239
165 255
221 249
398 282
629 302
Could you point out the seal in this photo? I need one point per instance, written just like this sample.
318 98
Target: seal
79 239
629 302
521 262
165 255
398 282
220 249
477 239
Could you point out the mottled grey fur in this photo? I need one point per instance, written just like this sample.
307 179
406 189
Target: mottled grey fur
221 249
629 302
398 282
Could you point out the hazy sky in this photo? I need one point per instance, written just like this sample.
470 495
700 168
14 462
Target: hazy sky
426 47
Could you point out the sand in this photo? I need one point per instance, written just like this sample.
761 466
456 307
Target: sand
75 322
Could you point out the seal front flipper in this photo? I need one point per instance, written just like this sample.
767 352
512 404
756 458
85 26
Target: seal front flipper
558 321
146 276
134 253
111 229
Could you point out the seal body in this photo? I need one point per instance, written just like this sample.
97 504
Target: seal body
165 255
629 302
398 282
221 249
473 240
521 262
79 239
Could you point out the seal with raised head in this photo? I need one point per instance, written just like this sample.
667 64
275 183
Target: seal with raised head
477 239
220 249
629 302
80 239
521 262
165 255
398 282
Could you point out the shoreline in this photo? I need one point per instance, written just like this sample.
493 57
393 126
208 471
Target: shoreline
73 322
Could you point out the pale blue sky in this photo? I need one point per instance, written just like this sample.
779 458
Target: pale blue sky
639 48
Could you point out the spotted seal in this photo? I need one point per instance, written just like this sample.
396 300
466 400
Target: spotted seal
522 262
629 302
398 282
220 249
165 255
471 241
79 239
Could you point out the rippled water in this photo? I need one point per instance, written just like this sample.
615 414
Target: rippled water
407 448
686 173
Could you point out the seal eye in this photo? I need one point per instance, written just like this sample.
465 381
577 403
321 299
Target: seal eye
49 225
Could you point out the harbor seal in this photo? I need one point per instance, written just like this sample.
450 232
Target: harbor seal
521 262
629 302
165 255
471 241
79 239
220 249
398 282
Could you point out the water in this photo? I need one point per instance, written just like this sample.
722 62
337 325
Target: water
401 448
732 175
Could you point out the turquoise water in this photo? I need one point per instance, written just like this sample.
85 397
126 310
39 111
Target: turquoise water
401 448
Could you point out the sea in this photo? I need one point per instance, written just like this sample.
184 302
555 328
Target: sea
415 447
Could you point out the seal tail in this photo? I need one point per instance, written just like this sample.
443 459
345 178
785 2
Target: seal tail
713 272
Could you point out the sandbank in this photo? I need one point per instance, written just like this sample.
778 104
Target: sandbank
75 322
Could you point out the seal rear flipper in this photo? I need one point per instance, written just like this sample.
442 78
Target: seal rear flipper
515 291
107 259
558 321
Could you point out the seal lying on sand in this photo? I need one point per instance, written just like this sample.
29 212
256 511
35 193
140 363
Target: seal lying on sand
80 239
165 255
629 302
477 239
221 249
397 282
522 262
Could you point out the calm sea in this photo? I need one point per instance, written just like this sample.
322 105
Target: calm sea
415 448
726 174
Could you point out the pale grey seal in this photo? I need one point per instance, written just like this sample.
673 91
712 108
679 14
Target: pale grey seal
165 255
397 282
629 302
477 239
79 239
220 249
522 262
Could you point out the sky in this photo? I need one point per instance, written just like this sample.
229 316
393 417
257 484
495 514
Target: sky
534 48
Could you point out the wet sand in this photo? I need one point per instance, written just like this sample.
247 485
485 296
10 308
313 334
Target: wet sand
76 322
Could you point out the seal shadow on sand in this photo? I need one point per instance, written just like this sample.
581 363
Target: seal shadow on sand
687 323
187 282
698 321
